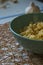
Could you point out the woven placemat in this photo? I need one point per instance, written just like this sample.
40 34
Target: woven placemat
12 53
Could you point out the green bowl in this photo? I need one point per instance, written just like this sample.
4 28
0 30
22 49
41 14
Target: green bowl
36 46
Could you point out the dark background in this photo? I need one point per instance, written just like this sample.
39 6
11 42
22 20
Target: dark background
40 0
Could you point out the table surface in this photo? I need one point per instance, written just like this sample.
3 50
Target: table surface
17 9
12 53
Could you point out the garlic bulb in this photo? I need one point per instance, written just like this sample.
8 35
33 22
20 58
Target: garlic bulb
14 1
32 9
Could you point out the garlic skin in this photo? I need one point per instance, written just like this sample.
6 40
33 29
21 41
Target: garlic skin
32 9
28 10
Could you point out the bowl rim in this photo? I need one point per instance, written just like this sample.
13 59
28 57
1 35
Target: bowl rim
19 34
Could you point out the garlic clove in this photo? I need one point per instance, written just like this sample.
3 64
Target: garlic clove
28 10
32 9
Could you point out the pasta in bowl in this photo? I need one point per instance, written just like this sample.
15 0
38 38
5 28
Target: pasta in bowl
33 31
34 22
